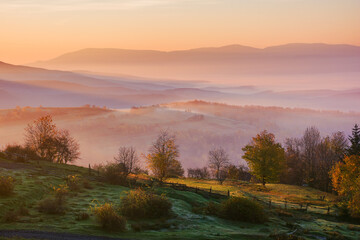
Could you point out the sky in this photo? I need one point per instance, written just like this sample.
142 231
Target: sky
32 30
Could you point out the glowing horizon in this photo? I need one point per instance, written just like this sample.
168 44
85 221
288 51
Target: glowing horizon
34 30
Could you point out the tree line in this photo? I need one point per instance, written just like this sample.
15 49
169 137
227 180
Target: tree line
327 163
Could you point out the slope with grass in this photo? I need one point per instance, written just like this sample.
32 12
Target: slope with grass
34 182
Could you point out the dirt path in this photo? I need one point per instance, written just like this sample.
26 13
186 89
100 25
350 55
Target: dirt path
30 234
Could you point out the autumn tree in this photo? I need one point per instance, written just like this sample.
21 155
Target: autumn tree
40 136
265 157
49 142
218 162
346 181
163 155
330 151
354 148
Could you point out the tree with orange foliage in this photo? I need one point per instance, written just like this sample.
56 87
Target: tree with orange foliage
346 181
40 136
50 143
163 156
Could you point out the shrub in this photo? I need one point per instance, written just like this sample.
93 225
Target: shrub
11 216
20 154
51 206
81 216
212 208
23 211
113 173
242 209
86 184
56 204
6 185
109 219
60 193
73 182
139 204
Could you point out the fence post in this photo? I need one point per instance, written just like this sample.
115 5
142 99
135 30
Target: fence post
89 170
328 211
228 193
196 189
269 203
210 191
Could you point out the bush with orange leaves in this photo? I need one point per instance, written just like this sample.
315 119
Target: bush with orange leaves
107 215
6 185
346 181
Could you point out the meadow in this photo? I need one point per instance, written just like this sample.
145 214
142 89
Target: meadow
35 181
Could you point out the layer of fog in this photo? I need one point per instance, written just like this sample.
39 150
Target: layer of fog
198 126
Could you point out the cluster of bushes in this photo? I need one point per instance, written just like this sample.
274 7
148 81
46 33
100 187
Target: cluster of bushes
236 209
13 215
73 182
19 153
56 203
112 173
7 184
138 204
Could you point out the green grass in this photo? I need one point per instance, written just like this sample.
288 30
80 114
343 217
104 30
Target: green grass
34 182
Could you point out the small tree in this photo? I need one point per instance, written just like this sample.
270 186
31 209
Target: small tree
127 160
162 155
218 162
51 144
354 148
40 136
67 148
176 170
346 181
265 157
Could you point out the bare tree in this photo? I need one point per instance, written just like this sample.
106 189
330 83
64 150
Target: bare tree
310 143
199 173
162 155
218 161
127 160
331 150
310 158
295 166
67 148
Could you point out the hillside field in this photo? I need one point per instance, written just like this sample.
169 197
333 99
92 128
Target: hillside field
34 182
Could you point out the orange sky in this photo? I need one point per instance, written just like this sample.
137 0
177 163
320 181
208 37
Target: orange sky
32 30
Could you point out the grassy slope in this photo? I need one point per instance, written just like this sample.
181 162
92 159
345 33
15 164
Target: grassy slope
34 183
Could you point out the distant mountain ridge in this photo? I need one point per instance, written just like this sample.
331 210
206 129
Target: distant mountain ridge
114 55
235 64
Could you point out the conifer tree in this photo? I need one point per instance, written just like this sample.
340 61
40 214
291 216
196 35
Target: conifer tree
354 139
